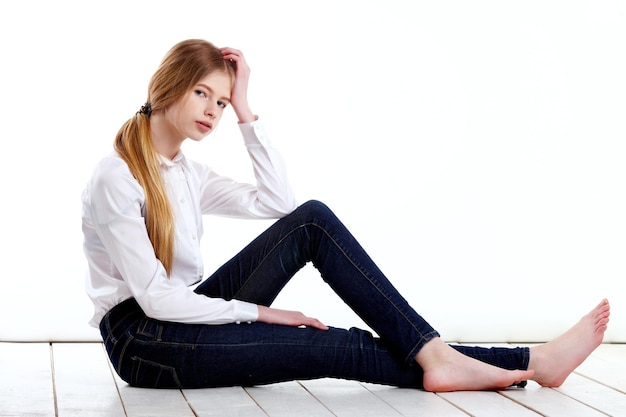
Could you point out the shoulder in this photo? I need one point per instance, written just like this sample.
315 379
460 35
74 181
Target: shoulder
111 170
111 164
112 183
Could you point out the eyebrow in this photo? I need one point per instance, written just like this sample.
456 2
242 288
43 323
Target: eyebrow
224 98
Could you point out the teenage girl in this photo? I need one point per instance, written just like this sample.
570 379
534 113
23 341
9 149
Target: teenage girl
142 224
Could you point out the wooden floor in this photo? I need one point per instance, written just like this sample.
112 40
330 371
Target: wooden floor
75 379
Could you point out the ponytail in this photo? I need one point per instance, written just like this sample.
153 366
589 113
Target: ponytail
134 144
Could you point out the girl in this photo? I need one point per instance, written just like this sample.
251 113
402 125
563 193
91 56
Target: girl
142 223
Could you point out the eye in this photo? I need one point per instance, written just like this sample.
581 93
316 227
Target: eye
222 104
200 93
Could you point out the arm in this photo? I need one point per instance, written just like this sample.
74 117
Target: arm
271 196
122 262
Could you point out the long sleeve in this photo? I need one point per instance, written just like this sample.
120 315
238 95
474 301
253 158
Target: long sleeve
122 263
270 197
121 259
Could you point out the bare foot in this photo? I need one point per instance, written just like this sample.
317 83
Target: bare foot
446 369
555 360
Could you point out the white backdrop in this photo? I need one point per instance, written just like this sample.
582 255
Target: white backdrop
476 148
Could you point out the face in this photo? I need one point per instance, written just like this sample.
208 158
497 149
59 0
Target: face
200 109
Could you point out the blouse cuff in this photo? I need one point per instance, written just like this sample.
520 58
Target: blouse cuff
246 311
256 117
254 133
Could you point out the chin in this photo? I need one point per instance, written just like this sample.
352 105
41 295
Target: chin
198 138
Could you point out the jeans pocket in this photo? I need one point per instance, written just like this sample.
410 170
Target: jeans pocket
149 330
149 374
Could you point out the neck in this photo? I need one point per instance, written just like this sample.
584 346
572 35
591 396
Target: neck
166 139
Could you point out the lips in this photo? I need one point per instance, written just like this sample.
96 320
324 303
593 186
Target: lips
204 126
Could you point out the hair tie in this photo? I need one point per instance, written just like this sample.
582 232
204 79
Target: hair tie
145 109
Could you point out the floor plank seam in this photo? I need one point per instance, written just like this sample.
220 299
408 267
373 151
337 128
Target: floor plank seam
316 399
52 374
382 399
600 382
255 401
117 387
515 401
585 404
193 411
457 406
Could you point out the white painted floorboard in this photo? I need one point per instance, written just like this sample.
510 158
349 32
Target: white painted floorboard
288 399
223 402
26 380
76 379
83 381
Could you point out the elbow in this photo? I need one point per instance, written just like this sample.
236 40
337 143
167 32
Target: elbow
276 206
289 205
151 308
286 206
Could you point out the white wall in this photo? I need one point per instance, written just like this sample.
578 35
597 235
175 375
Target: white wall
475 148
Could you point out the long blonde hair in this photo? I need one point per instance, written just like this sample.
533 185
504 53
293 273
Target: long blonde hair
183 66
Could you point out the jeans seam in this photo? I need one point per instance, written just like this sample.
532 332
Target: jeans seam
418 346
123 353
423 338
247 345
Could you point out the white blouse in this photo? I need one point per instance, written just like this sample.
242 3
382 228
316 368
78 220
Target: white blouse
121 259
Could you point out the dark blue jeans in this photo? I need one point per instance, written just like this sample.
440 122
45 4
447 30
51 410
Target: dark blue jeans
152 353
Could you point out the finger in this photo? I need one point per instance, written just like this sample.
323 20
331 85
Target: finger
230 52
321 326
238 60
315 323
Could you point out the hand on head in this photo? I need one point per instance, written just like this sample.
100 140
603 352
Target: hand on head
239 94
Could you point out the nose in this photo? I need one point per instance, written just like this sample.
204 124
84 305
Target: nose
210 110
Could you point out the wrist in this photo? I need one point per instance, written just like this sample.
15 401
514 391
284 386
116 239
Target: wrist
246 117
243 112
263 311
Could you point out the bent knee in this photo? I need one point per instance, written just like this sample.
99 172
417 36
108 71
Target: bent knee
315 206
